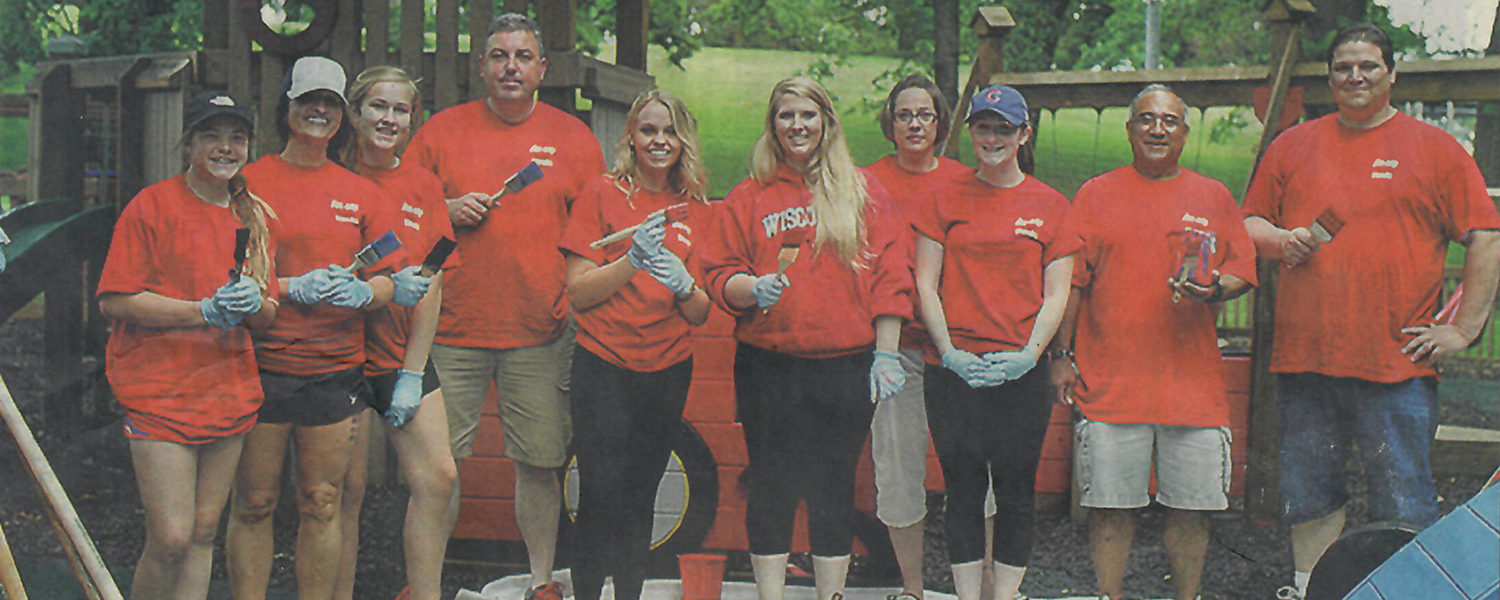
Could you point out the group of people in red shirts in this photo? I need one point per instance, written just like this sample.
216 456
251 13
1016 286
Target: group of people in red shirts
911 298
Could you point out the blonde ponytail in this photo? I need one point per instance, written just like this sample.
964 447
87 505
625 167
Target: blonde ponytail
253 214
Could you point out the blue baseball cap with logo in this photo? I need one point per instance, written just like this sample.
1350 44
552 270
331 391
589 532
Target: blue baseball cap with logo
1002 100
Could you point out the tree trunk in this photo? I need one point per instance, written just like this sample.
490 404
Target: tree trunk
1487 130
945 47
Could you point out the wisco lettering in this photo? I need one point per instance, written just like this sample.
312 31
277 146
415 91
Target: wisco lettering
791 218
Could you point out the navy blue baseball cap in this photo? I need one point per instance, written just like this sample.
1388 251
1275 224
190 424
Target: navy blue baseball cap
212 103
1002 100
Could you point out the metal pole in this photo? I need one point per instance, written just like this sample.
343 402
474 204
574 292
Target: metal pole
1153 34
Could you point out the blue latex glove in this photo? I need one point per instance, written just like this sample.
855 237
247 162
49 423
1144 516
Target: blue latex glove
767 289
409 286
215 315
886 376
1012 365
646 241
966 365
405 399
669 270
348 291
241 297
2 262
310 287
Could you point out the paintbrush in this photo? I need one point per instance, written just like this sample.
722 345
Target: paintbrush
439 255
528 175
371 254
791 243
675 213
241 247
1326 226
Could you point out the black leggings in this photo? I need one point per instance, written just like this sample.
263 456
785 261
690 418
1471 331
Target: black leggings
805 423
622 421
993 434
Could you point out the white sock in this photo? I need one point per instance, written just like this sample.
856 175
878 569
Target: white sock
1300 578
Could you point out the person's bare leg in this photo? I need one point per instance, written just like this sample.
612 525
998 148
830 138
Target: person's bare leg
966 578
427 463
355 480
987 577
770 575
322 463
1111 532
166 474
538 500
907 542
1311 539
1007 580
1186 538
830 573
216 465
248 543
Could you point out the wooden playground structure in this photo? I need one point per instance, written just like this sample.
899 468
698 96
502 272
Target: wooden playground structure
102 128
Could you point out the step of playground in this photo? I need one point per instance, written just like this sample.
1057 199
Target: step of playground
512 587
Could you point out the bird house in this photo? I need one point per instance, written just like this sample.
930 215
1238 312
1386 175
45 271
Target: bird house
993 21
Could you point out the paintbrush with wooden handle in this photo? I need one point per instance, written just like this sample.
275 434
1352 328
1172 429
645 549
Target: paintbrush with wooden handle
791 244
528 175
675 213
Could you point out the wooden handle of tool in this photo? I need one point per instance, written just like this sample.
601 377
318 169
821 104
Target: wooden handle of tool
614 237
10 578
96 580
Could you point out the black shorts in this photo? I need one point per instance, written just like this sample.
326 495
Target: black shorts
313 400
383 385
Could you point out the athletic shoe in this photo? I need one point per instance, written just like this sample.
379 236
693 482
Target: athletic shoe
547 591
1288 592
902 596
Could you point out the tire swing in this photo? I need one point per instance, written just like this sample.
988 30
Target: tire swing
302 43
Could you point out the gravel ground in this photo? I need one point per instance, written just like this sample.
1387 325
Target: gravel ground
1245 560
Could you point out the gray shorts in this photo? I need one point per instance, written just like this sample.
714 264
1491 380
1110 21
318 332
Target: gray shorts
532 385
1112 463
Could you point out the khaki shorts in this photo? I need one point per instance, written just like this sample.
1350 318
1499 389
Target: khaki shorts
1112 462
532 384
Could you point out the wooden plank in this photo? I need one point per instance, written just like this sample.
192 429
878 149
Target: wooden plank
413 43
130 135
633 32
555 19
445 73
481 12
238 68
517 6
54 162
343 42
215 23
271 72
378 31
15 106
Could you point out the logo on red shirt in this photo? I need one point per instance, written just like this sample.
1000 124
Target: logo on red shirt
1384 164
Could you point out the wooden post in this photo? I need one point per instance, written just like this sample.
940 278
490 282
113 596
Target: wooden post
556 19
633 30
55 140
238 76
990 23
1262 479
413 43
343 41
378 31
130 104
480 15
447 79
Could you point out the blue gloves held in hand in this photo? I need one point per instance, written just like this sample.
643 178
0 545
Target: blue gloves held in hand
886 376
405 399
767 289
647 240
348 290
968 366
231 302
409 286
993 368
1012 365
310 287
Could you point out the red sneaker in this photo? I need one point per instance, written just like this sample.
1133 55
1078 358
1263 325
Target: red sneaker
548 591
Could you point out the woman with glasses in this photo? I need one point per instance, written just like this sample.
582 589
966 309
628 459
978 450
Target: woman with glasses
994 263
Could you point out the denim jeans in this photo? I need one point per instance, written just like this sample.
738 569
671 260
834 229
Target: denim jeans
1392 424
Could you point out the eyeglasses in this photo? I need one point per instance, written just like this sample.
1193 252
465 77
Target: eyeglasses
1168 122
905 117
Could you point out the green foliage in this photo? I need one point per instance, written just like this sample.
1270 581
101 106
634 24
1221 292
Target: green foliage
1228 125
1195 33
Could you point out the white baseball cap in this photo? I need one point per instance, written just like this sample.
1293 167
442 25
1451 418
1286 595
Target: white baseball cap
313 73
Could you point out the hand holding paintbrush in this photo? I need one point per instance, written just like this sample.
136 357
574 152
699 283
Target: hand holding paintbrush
1298 247
767 289
672 214
469 209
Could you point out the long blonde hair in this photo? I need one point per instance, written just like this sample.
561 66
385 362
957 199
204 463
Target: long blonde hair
253 213
838 188
360 88
688 176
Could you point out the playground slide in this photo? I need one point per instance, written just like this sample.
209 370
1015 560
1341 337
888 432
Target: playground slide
48 239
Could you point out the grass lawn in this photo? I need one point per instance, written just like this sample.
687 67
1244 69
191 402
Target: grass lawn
13 130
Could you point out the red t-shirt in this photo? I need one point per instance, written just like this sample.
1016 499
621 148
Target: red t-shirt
1404 189
1143 358
830 308
913 192
996 243
184 384
326 215
510 291
639 327
418 195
